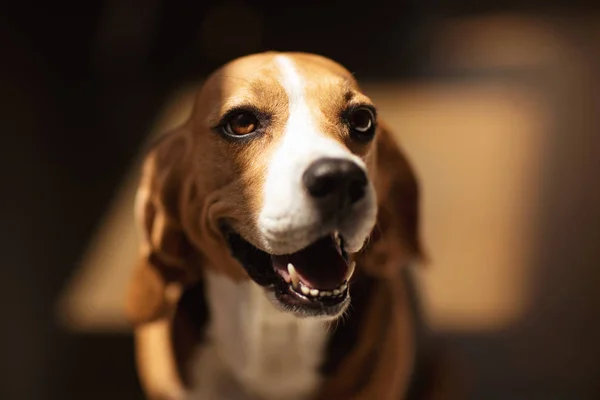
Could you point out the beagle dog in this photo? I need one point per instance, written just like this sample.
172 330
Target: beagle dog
278 225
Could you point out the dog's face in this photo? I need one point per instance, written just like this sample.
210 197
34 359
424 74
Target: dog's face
282 153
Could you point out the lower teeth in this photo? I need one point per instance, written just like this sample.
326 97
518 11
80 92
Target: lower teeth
320 293
300 288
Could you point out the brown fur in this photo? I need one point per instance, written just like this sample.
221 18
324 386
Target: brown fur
192 178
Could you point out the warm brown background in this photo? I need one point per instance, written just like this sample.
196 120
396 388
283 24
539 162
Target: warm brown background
498 110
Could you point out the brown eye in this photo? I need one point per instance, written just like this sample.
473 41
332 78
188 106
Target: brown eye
362 120
242 123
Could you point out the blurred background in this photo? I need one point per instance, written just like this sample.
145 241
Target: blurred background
497 104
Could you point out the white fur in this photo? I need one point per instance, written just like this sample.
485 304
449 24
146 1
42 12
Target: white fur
288 220
271 353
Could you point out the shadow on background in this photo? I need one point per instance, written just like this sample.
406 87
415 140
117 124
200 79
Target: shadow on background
81 85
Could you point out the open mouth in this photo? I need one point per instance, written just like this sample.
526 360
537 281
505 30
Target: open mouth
310 282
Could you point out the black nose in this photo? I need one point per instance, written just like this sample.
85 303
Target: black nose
335 182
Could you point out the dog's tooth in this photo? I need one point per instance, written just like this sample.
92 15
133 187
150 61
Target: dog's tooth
322 293
314 292
344 287
350 270
336 291
293 275
304 290
327 293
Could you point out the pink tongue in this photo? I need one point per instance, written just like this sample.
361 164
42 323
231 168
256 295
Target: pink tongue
319 266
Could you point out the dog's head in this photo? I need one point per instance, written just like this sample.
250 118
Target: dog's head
274 179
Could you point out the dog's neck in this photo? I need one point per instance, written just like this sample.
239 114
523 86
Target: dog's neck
269 352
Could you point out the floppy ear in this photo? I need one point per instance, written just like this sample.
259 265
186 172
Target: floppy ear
165 252
395 240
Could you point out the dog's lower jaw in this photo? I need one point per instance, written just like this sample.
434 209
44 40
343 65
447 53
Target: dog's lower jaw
300 312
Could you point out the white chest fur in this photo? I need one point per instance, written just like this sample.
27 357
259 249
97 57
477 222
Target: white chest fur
272 354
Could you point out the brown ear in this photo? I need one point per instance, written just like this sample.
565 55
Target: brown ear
395 240
165 252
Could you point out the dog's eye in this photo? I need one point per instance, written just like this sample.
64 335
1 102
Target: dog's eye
362 121
242 123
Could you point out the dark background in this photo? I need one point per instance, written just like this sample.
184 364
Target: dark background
81 84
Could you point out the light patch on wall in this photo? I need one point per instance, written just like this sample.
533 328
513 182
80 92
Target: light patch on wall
93 298
475 152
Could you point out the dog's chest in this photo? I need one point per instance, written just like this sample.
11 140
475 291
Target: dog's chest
273 354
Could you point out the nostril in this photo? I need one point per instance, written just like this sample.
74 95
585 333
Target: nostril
320 185
356 190
322 178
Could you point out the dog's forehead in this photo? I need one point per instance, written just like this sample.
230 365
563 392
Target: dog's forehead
267 68
262 79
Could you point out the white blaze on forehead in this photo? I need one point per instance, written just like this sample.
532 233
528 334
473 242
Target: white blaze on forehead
288 220
301 129
292 83
301 133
